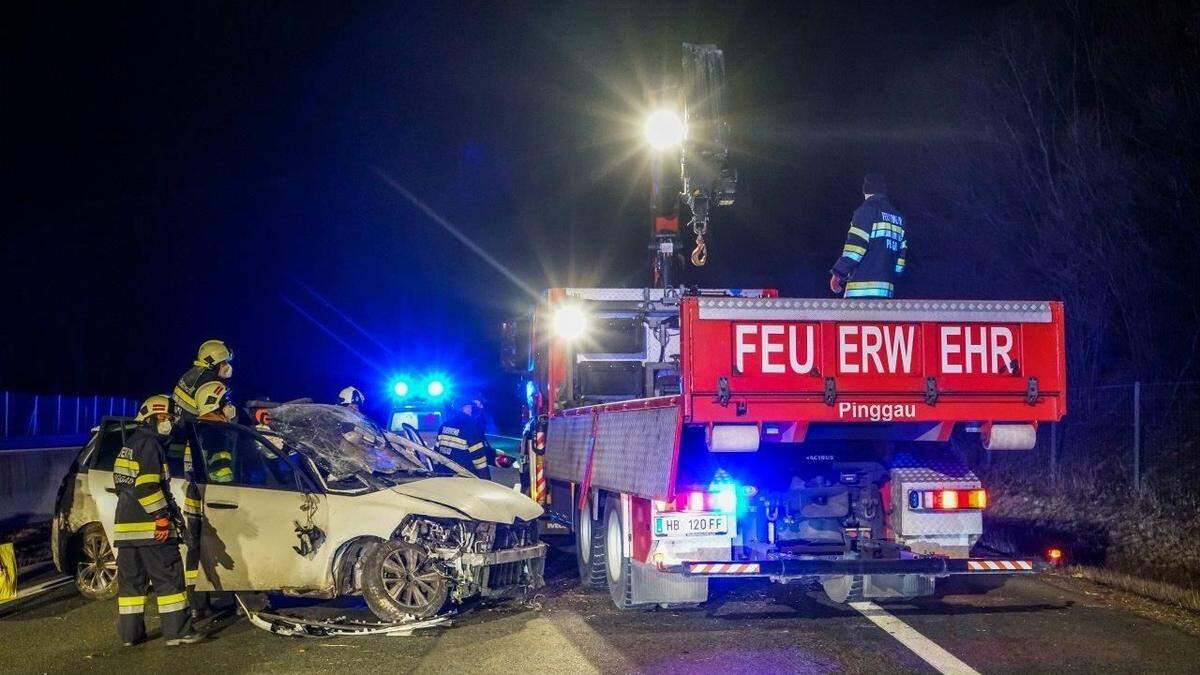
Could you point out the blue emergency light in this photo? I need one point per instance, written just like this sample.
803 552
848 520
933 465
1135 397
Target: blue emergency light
435 388
400 388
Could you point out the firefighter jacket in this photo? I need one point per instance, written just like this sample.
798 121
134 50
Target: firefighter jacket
461 438
875 250
185 390
143 483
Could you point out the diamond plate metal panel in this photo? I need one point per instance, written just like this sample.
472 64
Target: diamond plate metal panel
930 468
811 309
634 451
566 447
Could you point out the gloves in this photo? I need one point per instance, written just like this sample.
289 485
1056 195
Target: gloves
503 461
835 283
162 529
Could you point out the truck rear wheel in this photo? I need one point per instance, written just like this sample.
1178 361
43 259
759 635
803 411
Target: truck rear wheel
589 550
617 566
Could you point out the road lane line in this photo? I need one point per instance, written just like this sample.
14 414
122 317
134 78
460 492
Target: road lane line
927 649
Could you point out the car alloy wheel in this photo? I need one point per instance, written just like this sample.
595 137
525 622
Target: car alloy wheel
96 568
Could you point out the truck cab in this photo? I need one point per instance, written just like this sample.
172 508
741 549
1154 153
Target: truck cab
687 434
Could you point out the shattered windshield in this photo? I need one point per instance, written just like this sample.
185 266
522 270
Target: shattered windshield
343 442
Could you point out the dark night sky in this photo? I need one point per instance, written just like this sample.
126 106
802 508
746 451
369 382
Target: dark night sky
176 174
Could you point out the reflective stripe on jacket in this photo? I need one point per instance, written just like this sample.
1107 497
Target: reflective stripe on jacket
143 483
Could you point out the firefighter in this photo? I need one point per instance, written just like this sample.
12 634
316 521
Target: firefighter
146 533
461 437
351 398
212 365
212 404
875 249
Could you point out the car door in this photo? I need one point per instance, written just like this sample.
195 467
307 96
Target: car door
255 500
111 438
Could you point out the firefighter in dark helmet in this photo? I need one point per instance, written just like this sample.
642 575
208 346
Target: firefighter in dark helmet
146 531
212 365
875 249
461 437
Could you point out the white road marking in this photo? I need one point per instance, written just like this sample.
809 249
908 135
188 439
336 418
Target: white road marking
927 649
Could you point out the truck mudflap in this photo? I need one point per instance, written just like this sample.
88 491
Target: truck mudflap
932 566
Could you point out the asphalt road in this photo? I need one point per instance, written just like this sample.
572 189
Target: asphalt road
1046 624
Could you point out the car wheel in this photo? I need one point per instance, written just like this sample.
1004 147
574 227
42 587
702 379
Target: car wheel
95 564
399 582
589 550
617 566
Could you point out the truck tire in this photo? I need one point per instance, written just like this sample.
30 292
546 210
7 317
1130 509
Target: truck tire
589 550
95 563
399 583
617 566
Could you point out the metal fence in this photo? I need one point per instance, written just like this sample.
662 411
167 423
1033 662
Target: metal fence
1143 436
44 417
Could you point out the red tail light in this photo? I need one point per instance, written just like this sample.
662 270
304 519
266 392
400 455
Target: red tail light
947 500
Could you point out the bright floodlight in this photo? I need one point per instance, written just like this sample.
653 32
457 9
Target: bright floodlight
569 322
664 129
435 388
400 388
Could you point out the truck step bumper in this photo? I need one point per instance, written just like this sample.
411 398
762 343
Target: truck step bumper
806 568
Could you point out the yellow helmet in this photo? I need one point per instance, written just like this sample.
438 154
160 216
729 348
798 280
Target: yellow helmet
213 352
156 404
214 397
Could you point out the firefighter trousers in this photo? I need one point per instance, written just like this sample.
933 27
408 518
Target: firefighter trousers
191 567
138 569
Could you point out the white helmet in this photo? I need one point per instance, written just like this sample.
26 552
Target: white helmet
350 396
214 397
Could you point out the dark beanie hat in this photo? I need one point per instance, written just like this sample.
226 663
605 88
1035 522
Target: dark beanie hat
874 184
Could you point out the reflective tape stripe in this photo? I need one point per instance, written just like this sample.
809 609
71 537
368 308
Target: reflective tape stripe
223 475
851 248
135 604
885 285
222 455
724 568
153 501
869 293
452 441
146 478
172 603
860 233
184 396
133 536
191 574
134 527
127 465
475 447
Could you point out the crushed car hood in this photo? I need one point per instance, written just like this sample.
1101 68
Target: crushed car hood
480 499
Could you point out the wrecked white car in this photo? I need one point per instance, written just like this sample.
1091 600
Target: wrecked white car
323 504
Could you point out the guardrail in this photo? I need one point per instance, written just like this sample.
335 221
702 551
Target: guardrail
44 420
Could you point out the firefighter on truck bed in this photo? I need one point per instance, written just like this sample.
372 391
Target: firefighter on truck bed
461 437
146 531
875 249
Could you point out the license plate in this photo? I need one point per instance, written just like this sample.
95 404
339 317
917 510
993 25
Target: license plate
686 525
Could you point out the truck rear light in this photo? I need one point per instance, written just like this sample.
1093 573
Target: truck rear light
947 500
721 498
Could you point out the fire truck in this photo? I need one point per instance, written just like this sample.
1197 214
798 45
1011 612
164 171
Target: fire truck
688 433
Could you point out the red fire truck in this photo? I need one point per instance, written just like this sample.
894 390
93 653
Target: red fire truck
736 433
687 433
